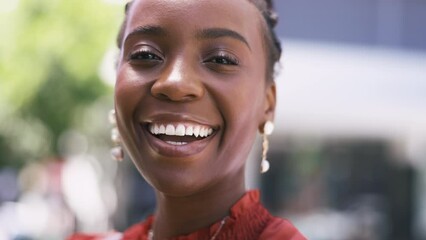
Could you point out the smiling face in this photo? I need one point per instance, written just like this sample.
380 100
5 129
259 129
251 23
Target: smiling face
191 91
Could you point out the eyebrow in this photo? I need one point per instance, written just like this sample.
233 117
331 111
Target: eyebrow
148 30
213 33
209 33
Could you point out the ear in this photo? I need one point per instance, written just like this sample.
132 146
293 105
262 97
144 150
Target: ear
269 104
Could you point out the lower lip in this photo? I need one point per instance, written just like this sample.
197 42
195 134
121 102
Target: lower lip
177 151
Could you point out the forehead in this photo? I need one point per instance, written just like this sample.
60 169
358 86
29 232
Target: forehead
183 16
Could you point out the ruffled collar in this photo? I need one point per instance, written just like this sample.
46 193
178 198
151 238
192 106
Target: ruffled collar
247 219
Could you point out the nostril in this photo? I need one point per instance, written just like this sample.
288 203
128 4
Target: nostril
190 97
166 97
162 96
177 91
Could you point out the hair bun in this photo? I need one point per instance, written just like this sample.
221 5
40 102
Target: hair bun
272 18
271 15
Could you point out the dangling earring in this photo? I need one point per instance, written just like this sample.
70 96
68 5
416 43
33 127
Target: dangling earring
117 152
268 128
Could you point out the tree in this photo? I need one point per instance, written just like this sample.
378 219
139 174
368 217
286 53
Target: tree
50 51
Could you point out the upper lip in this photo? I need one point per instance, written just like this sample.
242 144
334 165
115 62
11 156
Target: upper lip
173 118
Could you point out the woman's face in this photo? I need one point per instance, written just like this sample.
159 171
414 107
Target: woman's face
191 90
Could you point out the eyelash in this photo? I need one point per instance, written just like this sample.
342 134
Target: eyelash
229 59
141 55
146 55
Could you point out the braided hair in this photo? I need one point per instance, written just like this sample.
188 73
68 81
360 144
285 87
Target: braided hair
273 44
271 41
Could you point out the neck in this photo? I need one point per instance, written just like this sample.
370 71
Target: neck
176 216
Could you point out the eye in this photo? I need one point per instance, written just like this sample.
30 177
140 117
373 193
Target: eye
144 55
223 59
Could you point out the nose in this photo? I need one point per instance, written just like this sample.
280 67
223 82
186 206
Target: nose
179 83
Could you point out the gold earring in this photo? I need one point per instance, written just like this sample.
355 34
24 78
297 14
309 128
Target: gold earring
268 128
117 152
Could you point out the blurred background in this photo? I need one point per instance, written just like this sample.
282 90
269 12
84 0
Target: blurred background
348 157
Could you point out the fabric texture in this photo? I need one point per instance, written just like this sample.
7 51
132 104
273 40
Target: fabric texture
248 220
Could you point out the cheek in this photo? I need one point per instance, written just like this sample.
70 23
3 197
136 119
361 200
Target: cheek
241 106
243 101
130 88
128 93
245 112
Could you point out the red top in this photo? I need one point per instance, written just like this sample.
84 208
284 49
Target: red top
248 220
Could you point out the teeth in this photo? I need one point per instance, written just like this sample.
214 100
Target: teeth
197 131
170 130
180 130
189 131
176 143
162 130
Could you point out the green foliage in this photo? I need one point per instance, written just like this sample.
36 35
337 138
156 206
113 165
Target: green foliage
50 51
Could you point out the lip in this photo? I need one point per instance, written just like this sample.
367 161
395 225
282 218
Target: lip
177 118
176 151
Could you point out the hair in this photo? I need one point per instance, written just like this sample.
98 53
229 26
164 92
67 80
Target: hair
270 17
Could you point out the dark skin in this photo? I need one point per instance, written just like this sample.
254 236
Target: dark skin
197 62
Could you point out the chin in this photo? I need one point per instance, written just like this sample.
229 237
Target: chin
179 183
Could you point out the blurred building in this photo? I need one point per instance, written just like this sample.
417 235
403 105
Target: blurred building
348 158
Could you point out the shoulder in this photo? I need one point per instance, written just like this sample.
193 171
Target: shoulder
282 229
137 231
106 236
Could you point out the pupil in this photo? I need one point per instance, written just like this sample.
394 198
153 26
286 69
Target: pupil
147 56
221 60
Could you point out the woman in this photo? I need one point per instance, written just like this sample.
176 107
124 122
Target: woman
194 86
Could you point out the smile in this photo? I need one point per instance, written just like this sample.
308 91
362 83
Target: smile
193 131
179 139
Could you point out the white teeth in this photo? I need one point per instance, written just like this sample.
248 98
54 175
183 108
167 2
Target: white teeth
180 130
176 143
162 130
170 130
156 129
190 130
197 131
